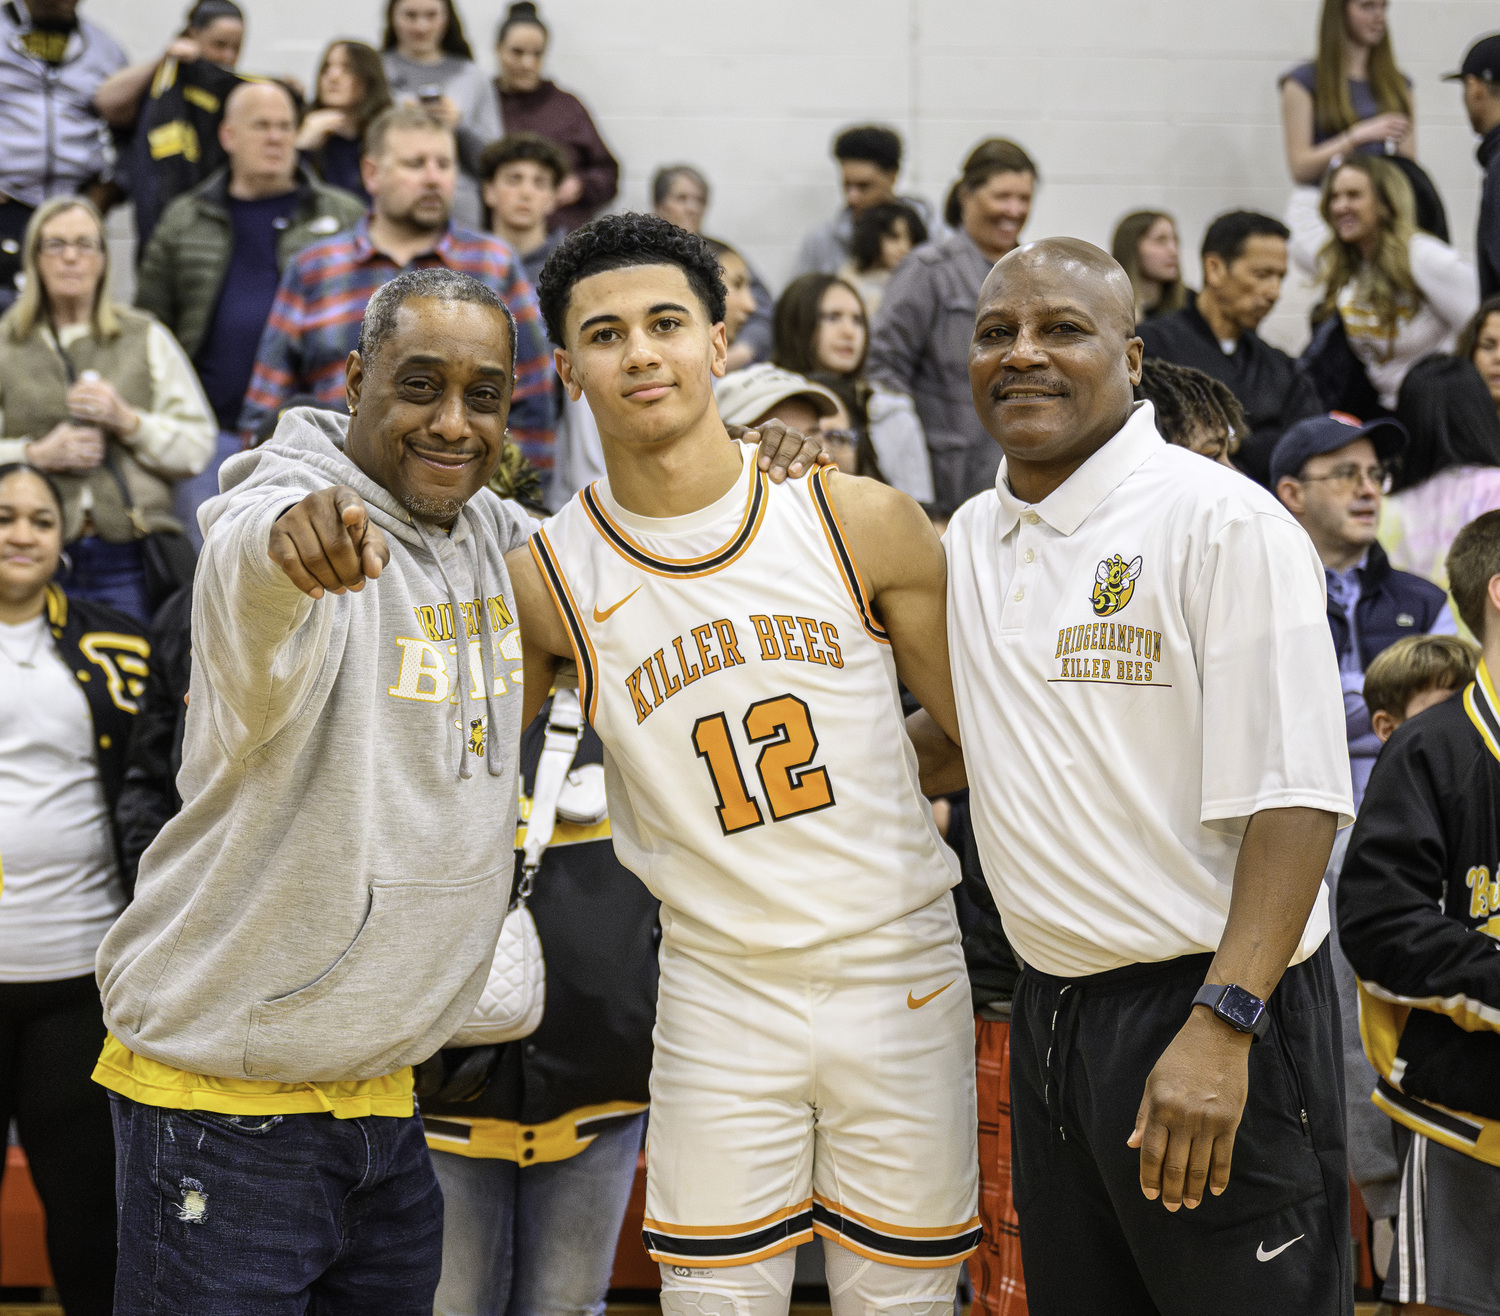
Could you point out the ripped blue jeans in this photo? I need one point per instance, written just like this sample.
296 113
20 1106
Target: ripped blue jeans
273 1214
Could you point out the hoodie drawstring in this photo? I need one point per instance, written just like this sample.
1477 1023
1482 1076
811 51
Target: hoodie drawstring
465 671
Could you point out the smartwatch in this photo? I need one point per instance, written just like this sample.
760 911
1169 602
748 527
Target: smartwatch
1236 1007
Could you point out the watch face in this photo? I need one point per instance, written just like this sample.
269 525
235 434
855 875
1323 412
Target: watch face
1240 1008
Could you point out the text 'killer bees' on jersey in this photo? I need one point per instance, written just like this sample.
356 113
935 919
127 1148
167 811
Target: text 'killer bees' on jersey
760 779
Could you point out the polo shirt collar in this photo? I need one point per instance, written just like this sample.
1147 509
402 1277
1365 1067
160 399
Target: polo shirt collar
364 249
1072 503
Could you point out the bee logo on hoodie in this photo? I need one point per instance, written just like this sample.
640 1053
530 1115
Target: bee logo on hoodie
476 736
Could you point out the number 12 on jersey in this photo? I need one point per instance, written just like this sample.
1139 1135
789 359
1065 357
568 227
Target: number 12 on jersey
790 784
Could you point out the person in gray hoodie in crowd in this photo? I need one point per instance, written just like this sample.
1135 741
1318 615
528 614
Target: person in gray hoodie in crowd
323 912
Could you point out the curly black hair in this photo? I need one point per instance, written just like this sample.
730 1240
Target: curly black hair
615 242
1188 401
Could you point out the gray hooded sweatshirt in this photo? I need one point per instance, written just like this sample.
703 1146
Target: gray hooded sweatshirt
325 906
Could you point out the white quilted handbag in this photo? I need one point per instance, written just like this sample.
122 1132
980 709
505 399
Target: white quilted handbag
515 995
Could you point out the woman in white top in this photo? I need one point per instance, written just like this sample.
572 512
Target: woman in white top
1400 293
71 673
100 396
427 59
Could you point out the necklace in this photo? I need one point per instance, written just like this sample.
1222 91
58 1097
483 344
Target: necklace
39 631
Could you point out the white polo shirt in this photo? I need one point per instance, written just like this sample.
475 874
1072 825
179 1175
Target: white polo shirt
1142 660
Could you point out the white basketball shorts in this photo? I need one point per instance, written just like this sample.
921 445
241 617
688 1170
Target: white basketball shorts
822 1091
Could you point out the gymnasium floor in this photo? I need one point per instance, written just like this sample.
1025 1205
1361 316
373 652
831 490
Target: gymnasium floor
615 1309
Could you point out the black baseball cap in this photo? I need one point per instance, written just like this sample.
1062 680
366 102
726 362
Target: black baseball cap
1482 61
1319 434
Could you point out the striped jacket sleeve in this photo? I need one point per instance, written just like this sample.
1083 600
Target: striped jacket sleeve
533 418
278 360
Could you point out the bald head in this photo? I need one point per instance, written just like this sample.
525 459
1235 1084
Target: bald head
259 135
248 98
1054 359
1087 271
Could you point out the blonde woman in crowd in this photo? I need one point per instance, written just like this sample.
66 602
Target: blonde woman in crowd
100 397
1400 293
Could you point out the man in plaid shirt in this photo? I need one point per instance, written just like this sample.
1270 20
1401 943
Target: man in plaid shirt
409 167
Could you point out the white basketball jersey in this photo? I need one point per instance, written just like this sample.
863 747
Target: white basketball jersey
760 779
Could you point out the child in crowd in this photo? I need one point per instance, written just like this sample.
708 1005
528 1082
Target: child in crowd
1418 917
883 236
1413 675
520 175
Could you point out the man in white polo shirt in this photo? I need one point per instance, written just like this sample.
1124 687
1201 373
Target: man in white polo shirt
1155 733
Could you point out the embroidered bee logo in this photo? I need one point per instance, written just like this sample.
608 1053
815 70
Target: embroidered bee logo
476 736
1114 583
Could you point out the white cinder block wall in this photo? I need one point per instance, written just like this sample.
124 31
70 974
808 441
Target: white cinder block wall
1123 103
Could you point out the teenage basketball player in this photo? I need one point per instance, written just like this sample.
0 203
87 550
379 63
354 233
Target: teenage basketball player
738 646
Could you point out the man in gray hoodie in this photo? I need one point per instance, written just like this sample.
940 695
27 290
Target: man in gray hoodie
322 913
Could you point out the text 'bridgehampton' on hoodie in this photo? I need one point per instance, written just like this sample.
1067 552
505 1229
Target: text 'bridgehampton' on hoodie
325 906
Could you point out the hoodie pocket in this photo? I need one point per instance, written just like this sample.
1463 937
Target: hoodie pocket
395 995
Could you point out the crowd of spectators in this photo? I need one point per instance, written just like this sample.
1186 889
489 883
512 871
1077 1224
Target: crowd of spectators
268 215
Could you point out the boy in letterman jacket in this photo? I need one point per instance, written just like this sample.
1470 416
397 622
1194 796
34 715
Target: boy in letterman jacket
1419 919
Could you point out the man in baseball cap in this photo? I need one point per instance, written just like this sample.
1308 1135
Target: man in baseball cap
1331 473
1480 75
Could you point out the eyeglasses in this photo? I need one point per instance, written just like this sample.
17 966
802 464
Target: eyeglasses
83 246
1349 477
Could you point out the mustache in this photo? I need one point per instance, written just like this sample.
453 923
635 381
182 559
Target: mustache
1016 379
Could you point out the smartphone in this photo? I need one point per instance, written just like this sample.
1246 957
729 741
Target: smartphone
430 94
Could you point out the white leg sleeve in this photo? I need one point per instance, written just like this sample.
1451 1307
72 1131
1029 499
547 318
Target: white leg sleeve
860 1287
761 1289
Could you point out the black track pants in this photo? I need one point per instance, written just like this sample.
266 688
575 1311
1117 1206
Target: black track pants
1276 1242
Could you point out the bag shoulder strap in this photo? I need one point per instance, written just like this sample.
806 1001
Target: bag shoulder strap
559 747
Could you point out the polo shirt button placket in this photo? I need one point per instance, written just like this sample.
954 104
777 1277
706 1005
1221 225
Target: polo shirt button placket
1015 616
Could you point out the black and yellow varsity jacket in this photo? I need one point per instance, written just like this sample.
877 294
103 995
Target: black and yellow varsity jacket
1419 919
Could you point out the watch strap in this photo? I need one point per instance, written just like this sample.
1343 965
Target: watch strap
1212 994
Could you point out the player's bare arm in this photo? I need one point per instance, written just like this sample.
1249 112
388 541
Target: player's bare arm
901 559
1196 1093
544 635
327 543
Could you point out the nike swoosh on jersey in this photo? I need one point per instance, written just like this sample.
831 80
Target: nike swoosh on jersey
610 612
1262 1255
917 1002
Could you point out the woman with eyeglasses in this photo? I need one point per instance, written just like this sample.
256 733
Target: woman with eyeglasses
1451 469
101 397
72 673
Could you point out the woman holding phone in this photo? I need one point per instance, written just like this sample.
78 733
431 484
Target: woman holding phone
427 59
